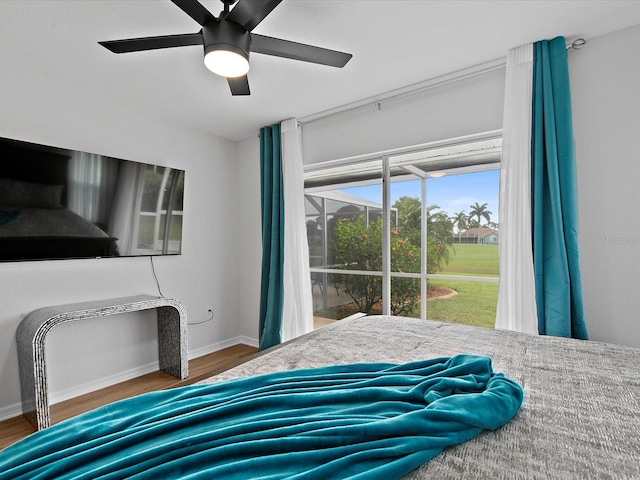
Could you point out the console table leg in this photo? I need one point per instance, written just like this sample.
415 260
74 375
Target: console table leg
172 342
33 377
26 365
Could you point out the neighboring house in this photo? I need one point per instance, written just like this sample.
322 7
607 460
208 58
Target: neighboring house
483 235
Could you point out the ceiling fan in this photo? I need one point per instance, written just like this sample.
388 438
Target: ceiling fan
228 40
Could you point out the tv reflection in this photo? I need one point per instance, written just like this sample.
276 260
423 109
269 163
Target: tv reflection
56 204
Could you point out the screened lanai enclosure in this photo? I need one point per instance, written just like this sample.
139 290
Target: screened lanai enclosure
380 228
324 210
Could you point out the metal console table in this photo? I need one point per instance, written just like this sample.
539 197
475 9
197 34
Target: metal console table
33 330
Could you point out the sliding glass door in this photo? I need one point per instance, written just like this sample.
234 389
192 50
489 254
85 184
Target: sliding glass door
344 230
416 229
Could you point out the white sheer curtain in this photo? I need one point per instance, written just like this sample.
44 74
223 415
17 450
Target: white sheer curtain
516 296
91 185
125 207
298 304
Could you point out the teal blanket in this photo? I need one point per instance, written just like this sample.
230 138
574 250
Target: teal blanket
345 421
7 217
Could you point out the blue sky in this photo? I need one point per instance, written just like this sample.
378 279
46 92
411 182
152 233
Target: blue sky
452 193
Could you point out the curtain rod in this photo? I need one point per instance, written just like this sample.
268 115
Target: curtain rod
416 88
577 44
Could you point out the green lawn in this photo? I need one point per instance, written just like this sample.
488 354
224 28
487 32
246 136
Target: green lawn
474 304
472 259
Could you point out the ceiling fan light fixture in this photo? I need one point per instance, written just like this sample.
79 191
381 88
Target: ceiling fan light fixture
226 48
226 63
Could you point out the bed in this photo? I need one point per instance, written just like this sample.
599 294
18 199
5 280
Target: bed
34 225
579 418
581 414
38 233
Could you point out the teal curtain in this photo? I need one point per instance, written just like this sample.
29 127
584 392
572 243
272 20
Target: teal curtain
554 196
272 286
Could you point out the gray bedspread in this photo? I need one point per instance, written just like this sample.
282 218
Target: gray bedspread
580 419
49 222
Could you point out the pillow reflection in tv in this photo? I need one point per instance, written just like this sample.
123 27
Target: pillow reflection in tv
18 193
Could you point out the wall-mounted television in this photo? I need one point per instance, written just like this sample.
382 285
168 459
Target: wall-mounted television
61 204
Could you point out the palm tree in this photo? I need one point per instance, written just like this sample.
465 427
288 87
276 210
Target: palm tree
480 212
439 225
409 212
493 225
459 220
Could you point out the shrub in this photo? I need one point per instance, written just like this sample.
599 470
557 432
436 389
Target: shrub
358 246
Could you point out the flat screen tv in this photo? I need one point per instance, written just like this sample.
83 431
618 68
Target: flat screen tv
62 204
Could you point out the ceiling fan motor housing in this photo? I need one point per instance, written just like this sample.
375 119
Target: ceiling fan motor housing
226 35
227 41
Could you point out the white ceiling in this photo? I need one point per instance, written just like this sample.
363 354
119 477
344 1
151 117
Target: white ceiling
394 43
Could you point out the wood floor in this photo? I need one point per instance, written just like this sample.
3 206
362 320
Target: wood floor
17 428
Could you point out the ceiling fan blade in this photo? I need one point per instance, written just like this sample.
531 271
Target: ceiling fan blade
195 10
239 85
152 43
249 13
298 51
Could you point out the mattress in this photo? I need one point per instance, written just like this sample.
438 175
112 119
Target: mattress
579 419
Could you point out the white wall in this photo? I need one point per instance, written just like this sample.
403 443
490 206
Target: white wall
89 354
249 236
605 80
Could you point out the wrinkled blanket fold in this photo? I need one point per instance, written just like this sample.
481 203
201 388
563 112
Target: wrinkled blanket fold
7 217
368 420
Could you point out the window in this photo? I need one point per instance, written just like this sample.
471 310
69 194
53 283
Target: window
161 190
412 232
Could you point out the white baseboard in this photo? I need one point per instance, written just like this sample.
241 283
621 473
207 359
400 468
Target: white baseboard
10 411
15 410
252 342
199 352
97 384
